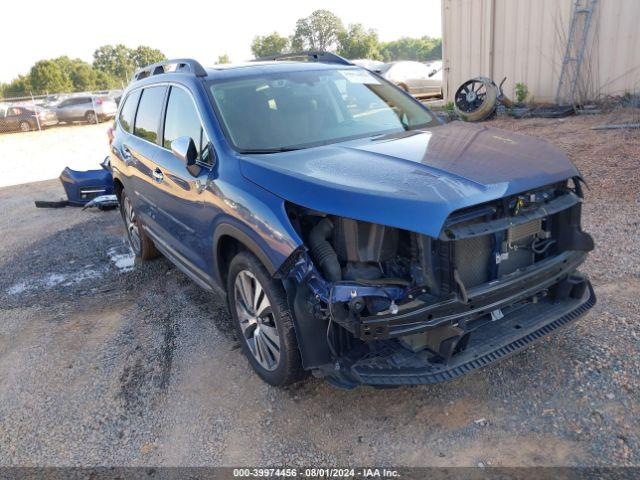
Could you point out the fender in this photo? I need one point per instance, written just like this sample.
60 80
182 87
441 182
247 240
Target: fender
306 327
227 229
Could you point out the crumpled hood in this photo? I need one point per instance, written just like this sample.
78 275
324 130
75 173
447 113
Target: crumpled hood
413 180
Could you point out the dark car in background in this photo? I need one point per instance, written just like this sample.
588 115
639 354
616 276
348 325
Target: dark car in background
353 234
88 108
25 119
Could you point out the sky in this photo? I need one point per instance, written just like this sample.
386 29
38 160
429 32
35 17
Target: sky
201 29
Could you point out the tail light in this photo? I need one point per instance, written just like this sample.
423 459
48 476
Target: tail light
110 135
98 101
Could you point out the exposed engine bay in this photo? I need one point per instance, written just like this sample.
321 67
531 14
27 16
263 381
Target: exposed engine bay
376 285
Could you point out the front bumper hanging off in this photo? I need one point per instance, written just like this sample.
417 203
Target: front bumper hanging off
535 303
388 363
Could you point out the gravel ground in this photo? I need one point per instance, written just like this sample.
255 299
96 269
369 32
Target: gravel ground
106 363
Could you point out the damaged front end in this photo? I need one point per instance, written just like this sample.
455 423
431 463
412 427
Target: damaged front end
384 306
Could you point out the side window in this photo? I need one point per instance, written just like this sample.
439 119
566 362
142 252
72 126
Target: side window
182 121
128 110
148 116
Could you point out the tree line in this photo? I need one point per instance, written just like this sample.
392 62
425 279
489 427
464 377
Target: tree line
324 31
113 65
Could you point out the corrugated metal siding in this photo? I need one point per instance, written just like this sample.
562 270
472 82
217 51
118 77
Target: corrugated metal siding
524 40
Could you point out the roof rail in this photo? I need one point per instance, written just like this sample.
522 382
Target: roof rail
181 64
308 55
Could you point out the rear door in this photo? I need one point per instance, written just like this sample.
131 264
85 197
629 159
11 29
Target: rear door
179 192
140 151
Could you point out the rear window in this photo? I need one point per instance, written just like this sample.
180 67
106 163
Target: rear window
128 110
148 116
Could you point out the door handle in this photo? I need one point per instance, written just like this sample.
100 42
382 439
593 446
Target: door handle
126 153
158 175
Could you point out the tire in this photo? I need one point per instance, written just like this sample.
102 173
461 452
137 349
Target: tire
139 241
25 126
270 329
90 117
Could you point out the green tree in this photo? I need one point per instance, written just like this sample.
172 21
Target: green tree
143 56
49 76
18 87
224 58
83 76
115 60
419 49
318 31
356 42
267 45
120 61
104 81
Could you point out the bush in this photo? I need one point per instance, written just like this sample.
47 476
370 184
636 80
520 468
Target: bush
522 92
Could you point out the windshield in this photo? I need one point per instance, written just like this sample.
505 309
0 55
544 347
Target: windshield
294 110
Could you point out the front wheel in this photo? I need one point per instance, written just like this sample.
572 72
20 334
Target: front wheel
263 322
25 126
140 243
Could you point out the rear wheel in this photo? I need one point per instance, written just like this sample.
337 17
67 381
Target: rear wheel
263 322
90 117
140 243
25 126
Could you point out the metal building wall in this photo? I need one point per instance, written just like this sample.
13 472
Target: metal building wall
524 40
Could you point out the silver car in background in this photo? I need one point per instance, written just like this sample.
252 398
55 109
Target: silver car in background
418 79
88 108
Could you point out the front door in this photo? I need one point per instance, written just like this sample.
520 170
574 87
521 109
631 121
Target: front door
180 191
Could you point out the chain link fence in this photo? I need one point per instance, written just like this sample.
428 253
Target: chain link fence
38 112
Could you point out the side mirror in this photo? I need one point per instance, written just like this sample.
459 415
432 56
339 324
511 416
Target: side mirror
184 148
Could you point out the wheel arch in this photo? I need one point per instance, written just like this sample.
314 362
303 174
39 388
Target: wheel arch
118 187
228 240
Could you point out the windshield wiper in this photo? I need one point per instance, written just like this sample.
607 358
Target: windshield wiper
269 150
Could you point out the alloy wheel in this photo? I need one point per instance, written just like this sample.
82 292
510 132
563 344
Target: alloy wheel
257 320
25 127
133 230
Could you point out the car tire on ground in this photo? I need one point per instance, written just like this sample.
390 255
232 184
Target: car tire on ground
263 322
140 243
25 126
90 117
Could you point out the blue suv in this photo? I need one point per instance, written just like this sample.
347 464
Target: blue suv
354 235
